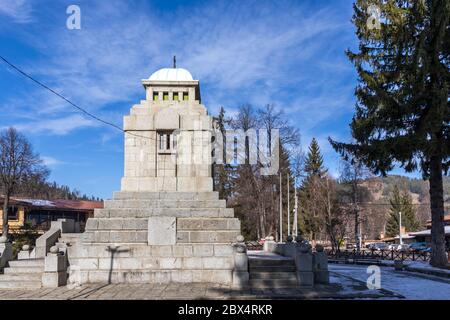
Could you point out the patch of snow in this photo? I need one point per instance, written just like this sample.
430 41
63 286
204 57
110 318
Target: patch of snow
407 284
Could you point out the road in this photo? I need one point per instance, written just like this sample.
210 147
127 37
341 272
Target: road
407 284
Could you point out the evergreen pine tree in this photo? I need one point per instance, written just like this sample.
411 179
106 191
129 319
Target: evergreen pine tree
402 111
314 160
311 188
401 202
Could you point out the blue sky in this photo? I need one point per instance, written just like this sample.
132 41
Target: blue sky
290 53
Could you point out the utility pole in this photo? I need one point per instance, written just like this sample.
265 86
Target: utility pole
400 227
281 211
288 207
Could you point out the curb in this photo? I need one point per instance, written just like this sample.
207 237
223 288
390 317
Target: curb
437 273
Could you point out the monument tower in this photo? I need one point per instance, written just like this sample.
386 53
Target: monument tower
166 224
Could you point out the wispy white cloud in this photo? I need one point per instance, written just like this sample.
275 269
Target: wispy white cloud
240 50
18 10
57 126
51 161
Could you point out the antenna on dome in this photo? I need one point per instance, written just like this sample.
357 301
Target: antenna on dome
174 62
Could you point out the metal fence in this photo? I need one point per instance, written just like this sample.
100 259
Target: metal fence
378 255
254 246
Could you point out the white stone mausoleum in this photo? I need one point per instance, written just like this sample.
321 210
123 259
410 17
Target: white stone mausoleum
166 224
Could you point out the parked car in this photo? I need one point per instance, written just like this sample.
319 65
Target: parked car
392 246
418 246
403 247
379 246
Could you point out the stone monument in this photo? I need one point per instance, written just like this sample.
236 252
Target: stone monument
166 224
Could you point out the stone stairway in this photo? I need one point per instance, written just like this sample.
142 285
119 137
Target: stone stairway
69 238
27 273
272 271
24 274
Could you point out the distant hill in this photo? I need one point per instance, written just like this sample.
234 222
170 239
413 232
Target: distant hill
376 209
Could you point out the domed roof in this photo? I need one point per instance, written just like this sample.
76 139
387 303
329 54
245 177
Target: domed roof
171 74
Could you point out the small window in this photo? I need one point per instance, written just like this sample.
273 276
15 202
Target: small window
166 142
155 96
165 96
175 96
185 96
13 213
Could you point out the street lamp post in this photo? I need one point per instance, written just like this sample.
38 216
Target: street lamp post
400 227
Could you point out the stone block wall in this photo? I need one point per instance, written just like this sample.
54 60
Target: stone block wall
117 246
143 263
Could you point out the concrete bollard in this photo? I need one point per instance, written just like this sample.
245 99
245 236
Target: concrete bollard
55 270
24 254
269 244
320 261
304 266
6 251
240 272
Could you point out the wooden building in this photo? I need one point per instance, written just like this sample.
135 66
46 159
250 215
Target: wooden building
38 213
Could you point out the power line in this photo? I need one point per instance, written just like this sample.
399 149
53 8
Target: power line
84 111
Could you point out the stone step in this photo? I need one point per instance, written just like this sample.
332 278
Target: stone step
271 262
184 224
70 235
124 195
37 276
273 283
27 263
172 212
20 284
70 238
272 268
273 275
163 203
13 270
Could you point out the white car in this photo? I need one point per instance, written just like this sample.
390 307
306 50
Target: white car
392 246
402 247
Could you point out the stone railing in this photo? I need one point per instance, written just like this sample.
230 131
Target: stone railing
48 239
6 252
311 266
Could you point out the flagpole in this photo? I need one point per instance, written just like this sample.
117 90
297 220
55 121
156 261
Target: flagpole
288 208
295 227
281 211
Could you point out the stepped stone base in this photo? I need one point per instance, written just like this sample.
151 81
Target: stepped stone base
157 237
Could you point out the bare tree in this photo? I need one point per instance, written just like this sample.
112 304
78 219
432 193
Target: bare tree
255 195
353 173
336 217
18 162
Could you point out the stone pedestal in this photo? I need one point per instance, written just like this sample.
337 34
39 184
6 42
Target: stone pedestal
241 274
304 266
159 237
55 270
5 252
321 274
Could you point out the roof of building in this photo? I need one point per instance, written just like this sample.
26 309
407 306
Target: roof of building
171 74
446 219
427 232
57 204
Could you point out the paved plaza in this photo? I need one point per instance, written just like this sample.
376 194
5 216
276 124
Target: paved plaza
341 287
